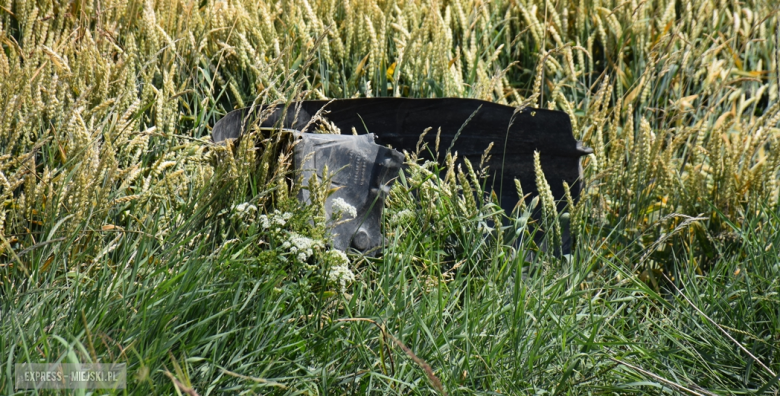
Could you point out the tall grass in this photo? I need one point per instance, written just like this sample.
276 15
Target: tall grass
126 236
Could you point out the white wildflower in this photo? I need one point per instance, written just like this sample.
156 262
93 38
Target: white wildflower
245 207
244 211
339 271
265 222
281 218
402 217
301 246
277 219
340 206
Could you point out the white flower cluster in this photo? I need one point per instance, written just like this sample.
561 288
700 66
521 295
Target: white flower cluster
340 206
402 217
301 246
244 211
245 207
339 271
276 218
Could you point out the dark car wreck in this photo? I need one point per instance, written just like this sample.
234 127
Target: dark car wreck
385 126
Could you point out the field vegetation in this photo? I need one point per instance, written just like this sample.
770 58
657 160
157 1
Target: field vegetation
127 236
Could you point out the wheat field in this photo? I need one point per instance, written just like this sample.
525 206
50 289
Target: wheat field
127 236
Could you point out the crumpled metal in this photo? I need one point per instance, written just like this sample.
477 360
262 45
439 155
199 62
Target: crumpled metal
369 161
